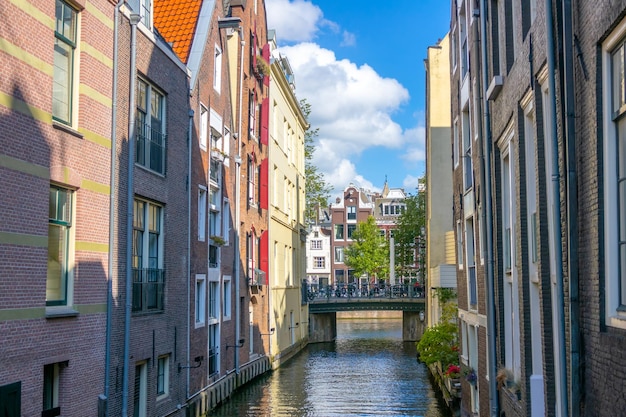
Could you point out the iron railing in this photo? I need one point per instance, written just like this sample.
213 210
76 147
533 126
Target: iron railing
148 290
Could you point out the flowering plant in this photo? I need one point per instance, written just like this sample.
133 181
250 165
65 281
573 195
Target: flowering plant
453 371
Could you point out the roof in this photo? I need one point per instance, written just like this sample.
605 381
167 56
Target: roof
176 21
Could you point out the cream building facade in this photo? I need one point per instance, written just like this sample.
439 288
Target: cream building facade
440 252
287 235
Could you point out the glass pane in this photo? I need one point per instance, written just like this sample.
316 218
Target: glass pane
153 248
137 249
52 204
138 214
62 80
621 194
142 94
64 203
155 111
65 21
57 258
618 78
155 212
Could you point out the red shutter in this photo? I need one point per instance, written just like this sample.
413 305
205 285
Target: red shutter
264 254
265 53
264 180
265 120
253 50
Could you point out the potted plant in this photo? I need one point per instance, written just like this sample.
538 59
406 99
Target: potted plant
470 375
262 66
218 240
504 377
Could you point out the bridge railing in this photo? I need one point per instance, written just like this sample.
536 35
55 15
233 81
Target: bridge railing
343 291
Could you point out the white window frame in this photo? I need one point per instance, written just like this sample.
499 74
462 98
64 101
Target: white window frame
204 126
227 298
68 41
319 262
459 245
202 210
217 69
226 221
148 131
201 297
213 301
615 281
339 255
142 397
316 244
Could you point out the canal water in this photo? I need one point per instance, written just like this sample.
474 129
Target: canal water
367 371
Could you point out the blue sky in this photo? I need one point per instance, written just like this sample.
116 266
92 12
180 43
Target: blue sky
360 64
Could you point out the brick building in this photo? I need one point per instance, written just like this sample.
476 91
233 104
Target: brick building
55 164
549 127
150 284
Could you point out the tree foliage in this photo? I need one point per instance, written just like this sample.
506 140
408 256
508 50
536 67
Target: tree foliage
369 251
439 344
317 189
410 233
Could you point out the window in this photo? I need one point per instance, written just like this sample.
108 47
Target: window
163 376
468 173
471 264
217 70
459 245
214 300
11 399
494 39
319 262
201 213
316 244
147 262
339 276
226 222
252 109
140 399
204 126
251 182
51 378
351 230
351 212
151 137
338 254
455 144
227 298
144 8
64 52
60 238
339 231
463 38
614 149
213 363
200 299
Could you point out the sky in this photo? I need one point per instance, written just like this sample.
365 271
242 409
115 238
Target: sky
360 64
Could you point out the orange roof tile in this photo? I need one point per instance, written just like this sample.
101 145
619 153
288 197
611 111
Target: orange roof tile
176 21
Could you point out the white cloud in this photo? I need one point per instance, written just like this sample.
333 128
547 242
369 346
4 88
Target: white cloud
295 21
349 39
415 140
410 184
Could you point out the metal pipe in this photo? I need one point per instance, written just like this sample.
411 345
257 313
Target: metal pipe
572 206
113 164
560 367
487 214
238 203
134 19
189 303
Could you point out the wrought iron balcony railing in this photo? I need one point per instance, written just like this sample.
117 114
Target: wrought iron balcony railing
148 290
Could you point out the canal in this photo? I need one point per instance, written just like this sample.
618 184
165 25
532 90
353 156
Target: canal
367 371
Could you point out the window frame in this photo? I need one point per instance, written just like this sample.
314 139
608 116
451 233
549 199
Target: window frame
217 69
146 131
201 300
71 41
614 114
227 298
319 262
67 224
163 377
202 212
204 126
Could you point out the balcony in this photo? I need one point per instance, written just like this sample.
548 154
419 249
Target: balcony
148 290
151 145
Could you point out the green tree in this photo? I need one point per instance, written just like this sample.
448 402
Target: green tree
317 190
369 251
439 343
410 233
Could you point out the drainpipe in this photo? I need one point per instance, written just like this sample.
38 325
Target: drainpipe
189 304
107 351
487 215
561 367
134 19
572 206
238 206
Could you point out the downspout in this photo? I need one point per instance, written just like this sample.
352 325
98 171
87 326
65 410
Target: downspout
572 206
561 367
107 351
134 19
238 207
487 215
189 303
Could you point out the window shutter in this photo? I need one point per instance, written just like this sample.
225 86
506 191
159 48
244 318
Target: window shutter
253 51
265 53
264 180
263 254
265 120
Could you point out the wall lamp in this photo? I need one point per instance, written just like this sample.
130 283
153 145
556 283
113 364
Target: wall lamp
197 359
293 327
272 330
238 345
422 316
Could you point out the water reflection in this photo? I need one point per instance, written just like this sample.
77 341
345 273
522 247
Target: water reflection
368 371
